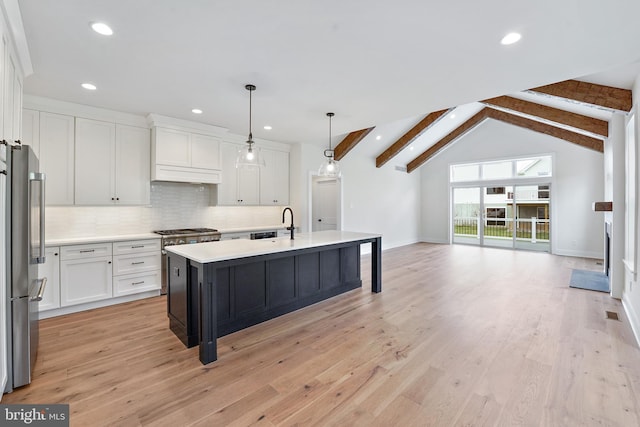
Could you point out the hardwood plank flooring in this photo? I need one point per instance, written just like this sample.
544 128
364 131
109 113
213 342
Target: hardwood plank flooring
459 335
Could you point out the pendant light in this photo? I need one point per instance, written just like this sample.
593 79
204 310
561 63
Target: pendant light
329 167
249 156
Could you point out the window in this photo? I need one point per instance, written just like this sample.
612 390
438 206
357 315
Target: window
533 167
495 190
493 213
543 191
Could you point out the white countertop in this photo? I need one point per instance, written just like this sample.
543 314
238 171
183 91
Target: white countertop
100 239
231 249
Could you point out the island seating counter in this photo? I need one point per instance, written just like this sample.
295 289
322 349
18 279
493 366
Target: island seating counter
216 288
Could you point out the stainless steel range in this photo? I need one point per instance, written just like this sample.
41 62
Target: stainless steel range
183 236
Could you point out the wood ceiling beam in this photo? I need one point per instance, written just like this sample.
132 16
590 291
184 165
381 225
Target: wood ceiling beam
349 142
590 93
548 129
490 113
454 134
578 121
409 137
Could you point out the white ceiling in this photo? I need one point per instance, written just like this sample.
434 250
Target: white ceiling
371 62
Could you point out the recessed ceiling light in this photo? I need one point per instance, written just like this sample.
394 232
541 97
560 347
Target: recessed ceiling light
378 138
101 28
411 148
196 111
89 86
452 116
267 127
511 38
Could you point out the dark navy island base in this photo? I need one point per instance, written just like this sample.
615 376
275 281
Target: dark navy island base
207 300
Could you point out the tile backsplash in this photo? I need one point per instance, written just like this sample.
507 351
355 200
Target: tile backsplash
173 205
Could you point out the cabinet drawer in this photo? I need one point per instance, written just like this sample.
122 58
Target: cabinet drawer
136 263
136 246
85 251
135 283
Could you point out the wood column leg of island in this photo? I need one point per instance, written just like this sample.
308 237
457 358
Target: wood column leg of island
376 265
207 314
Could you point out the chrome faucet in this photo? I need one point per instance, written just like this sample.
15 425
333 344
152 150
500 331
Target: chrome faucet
291 227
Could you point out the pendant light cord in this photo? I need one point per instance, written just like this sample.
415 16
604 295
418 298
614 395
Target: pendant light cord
250 88
250 133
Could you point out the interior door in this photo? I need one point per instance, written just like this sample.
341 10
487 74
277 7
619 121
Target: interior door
324 214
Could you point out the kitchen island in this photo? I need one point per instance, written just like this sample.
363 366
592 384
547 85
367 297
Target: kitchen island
218 288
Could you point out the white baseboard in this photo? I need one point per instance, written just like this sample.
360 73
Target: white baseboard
578 253
632 316
439 241
95 304
367 249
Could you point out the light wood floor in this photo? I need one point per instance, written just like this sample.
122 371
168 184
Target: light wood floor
459 336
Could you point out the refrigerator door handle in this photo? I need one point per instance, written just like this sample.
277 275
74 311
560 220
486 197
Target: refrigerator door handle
43 285
40 259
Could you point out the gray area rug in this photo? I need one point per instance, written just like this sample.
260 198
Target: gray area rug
590 280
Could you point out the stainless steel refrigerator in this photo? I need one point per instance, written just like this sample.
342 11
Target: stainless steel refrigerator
25 250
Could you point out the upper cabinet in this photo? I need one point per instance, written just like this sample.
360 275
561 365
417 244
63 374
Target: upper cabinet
111 164
268 185
183 156
274 178
31 129
11 94
57 157
90 162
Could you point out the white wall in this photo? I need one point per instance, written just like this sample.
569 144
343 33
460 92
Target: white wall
631 292
377 200
578 182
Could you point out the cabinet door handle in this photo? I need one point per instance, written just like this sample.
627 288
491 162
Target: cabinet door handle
137 263
87 251
136 247
137 283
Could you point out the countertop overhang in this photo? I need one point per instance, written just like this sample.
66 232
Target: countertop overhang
232 249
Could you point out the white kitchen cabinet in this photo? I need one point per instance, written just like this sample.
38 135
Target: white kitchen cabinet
239 186
51 270
31 129
183 156
274 178
136 266
112 164
57 157
8 95
95 162
132 173
235 236
86 273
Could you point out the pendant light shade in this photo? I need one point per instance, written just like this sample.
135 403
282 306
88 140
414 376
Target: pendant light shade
249 156
329 168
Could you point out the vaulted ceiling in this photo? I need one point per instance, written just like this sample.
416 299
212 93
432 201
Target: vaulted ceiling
584 130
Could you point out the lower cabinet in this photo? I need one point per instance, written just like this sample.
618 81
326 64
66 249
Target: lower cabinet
136 267
86 273
51 270
79 274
